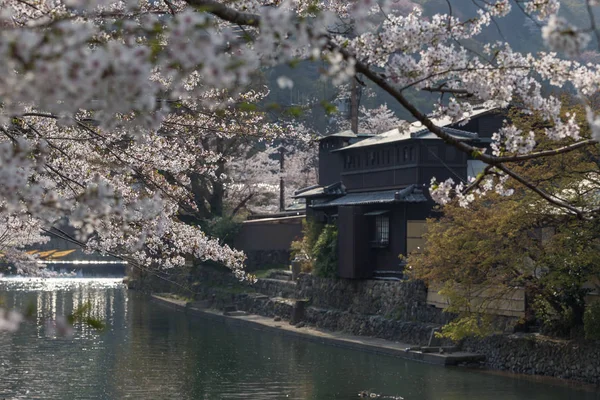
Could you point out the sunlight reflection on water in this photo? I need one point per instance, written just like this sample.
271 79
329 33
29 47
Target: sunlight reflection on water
34 284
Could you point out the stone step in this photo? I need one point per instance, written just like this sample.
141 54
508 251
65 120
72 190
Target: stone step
235 313
439 349
229 308
281 275
388 275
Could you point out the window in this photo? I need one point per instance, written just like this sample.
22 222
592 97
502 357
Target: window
381 235
405 154
371 158
413 156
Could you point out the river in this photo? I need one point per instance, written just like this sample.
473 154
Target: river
147 351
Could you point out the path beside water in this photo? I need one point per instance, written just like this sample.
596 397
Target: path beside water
374 345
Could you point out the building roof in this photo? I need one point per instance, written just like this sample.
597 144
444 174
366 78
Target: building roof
342 134
275 219
336 188
410 194
416 130
297 205
306 189
348 134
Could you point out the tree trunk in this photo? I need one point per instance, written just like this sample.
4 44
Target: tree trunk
281 181
354 106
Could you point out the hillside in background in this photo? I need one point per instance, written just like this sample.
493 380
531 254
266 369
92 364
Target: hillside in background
521 32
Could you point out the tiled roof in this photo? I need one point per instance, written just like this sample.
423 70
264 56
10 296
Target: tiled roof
296 206
334 189
410 194
342 134
306 189
348 134
416 130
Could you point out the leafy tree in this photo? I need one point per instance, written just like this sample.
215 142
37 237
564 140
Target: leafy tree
302 249
325 253
500 242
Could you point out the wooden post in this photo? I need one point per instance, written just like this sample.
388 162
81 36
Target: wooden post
281 180
298 312
354 106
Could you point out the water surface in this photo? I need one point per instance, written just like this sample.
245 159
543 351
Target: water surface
148 351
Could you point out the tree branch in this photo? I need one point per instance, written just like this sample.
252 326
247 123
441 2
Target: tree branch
226 13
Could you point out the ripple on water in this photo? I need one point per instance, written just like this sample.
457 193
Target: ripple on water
151 352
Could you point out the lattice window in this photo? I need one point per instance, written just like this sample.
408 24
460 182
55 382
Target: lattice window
382 230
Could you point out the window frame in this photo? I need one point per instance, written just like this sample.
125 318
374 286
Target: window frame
380 233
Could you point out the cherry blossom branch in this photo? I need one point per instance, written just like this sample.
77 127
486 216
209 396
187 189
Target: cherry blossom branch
478 179
226 13
543 194
545 153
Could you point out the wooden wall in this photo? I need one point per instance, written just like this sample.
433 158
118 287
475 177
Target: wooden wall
353 243
269 233
510 303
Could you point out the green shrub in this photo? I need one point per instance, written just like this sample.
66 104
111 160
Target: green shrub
554 322
223 228
325 253
302 249
591 321
478 325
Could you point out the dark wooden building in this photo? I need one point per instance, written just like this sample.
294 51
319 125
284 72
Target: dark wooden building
374 187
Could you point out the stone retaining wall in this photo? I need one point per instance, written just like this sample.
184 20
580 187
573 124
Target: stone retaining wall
394 310
398 300
535 355
343 321
257 259
276 288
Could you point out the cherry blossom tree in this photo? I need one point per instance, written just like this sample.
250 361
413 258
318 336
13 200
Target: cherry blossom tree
371 120
254 181
17 231
88 87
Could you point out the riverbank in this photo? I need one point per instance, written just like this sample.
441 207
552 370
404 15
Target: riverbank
373 345
395 311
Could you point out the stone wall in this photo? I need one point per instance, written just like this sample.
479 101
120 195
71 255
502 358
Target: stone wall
259 259
393 310
276 288
536 355
398 300
414 333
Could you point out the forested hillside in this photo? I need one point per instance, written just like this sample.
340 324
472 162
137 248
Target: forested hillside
310 90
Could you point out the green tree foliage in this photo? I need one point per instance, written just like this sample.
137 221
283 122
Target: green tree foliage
591 320
302 249
224 228
475 256
325 253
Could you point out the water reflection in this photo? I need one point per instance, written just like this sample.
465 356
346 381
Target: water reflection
151 352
